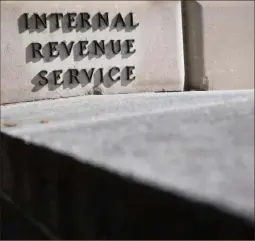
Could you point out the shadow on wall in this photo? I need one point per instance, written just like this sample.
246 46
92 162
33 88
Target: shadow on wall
15 226
194 46
80 201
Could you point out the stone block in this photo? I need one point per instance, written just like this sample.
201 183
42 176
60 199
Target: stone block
53 49
219 37
137 166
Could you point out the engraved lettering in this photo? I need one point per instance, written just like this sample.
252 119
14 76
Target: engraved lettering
26 20
68 48
88 75
101 75
130 72
83 46
36 50
115 46
62 49
131 20
56 75
119 21
114 71
99 46
73 75
43 80
53 48
40 21
71 20
85 20
129 45
57 17
103 19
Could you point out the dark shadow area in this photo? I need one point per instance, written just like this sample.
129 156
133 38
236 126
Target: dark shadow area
193 38
14 226
22 23
80 201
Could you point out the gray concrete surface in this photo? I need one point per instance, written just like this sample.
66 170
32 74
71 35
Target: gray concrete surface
198 144
77 200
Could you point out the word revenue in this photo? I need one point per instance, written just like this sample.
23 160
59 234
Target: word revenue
81 48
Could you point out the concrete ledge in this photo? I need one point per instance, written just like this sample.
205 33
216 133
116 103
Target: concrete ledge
145 193
79 201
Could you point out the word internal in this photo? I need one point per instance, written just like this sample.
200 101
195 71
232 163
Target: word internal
77 21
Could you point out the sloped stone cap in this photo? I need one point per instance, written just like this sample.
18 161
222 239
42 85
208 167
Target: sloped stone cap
170 165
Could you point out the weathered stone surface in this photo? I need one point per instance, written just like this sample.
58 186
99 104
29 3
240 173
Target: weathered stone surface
219 38
123 163
158 42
